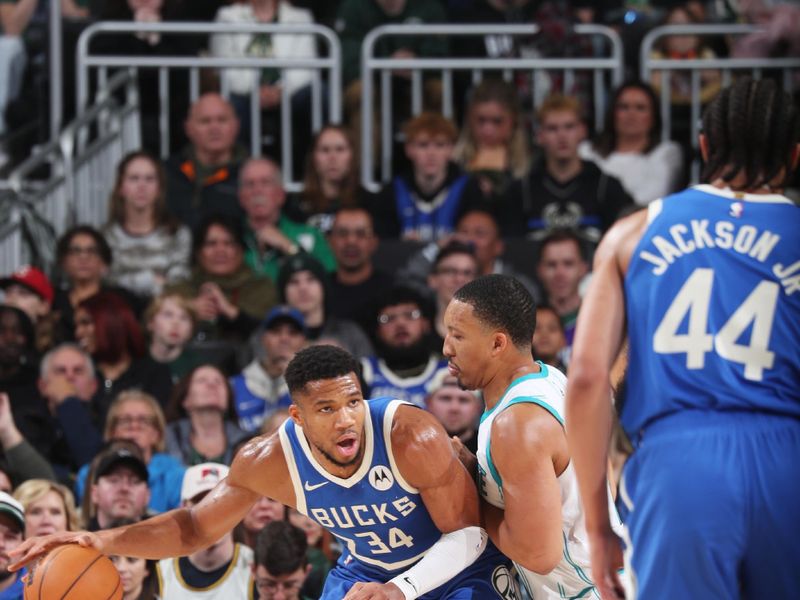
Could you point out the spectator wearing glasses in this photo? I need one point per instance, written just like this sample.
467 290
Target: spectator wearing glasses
454 265
137 417
357 282
84 258
404 365
281 566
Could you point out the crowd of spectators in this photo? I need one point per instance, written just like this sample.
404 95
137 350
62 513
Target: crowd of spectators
132 372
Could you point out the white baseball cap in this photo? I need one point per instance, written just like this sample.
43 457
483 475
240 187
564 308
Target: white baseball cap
202 478
10 506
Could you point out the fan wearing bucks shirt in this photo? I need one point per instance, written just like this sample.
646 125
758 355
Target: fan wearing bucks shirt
706 285
531 508
380 475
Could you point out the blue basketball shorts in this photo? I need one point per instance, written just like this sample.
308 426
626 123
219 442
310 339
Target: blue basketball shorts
713 507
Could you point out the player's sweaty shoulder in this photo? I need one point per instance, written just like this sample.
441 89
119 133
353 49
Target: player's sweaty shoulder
420 445
260 466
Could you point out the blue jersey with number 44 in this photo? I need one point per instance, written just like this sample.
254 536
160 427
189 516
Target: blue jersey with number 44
712 296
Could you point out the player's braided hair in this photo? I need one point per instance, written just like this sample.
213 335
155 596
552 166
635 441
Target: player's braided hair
752 128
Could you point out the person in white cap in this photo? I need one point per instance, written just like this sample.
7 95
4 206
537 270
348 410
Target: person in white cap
219 571
12 531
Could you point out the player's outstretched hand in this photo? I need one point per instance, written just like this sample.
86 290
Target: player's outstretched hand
606 555
375 591
37 546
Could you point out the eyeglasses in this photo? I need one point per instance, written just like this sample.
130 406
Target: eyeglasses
408 315
87 250
128 420
453 272
271 585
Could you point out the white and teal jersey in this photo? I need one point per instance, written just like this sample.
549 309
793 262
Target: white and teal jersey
572 576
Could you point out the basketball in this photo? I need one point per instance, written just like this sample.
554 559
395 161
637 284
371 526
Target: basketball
72 572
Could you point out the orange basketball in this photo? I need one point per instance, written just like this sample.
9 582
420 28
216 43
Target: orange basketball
72 572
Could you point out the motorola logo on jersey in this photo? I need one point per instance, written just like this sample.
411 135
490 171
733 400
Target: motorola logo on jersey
381 478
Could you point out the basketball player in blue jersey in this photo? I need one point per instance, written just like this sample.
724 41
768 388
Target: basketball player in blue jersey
706 284
530 507
380 475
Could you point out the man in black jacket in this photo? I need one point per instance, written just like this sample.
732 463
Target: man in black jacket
562 191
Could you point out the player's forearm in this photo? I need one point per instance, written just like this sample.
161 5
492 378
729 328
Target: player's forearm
453 553
588 417
170 534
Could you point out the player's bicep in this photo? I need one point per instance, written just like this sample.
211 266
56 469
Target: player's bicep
531 493
427 461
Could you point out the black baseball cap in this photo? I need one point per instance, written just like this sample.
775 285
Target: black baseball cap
120 457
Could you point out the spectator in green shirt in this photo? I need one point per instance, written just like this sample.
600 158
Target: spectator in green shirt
269 234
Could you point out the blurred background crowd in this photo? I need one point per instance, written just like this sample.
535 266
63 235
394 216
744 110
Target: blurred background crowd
134 367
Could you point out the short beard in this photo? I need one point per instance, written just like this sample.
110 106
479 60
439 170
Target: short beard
405 357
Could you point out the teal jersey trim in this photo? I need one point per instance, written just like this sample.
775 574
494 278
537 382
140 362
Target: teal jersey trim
492 469
539 402
579 570
544 372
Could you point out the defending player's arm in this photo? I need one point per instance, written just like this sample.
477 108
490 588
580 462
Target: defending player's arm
427 462
528 530
599 336
182 531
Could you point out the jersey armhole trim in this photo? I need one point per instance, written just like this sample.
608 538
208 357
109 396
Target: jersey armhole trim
538 402
654 209
388 419
294 473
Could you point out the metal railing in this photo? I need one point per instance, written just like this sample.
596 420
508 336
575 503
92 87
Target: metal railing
331 64
695 67
607 72
80 166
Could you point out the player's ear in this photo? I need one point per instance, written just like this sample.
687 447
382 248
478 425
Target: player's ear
294 414
499 342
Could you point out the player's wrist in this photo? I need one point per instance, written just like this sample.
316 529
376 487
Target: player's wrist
406 586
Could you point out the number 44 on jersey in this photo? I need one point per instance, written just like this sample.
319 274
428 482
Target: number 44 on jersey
694 299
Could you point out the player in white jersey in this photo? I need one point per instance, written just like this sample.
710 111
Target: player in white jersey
531 507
